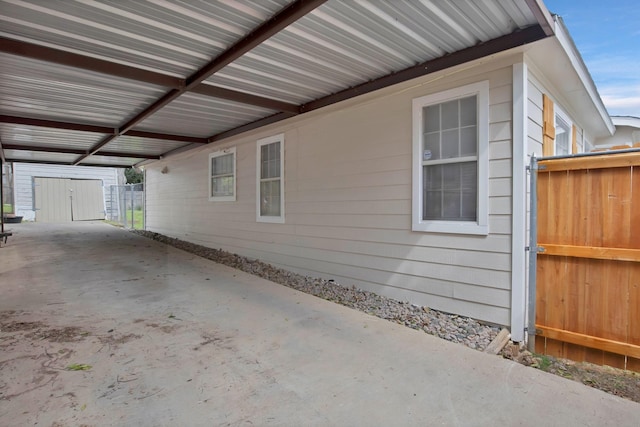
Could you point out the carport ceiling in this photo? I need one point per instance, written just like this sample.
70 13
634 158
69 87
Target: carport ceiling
114 83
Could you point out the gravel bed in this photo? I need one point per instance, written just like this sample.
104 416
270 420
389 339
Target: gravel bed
451 327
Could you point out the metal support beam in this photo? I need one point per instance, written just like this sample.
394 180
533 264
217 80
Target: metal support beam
58 162
57 56
98 129
245 98
2 152
491 47
78 151
279 22
250 126
54 124
517 38
166 136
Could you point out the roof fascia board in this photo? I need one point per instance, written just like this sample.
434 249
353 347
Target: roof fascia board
542 15
626 121
563 36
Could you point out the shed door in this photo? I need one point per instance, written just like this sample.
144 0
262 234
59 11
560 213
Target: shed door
65 200
87 200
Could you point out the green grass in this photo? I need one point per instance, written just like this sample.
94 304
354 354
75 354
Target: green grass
138 219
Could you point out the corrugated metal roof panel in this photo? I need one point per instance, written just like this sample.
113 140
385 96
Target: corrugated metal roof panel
32 136
36 156
164 36
137 145
31 88
336 46
202 116
342 44
110 161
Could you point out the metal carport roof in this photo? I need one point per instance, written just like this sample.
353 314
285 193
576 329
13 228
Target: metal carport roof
114 83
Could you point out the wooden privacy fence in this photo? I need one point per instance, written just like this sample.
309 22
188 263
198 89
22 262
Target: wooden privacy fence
588 265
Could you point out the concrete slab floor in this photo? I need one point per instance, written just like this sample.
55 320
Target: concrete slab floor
174 339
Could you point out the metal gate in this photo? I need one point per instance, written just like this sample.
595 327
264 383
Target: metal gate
128 205
584 303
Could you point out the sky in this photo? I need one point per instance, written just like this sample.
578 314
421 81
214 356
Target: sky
607 34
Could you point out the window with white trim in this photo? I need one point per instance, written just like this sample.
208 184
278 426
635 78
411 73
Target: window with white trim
564 137
450 160
270 182
222 175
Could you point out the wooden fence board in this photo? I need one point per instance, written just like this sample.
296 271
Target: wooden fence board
622 160
634 313
634 220
588 274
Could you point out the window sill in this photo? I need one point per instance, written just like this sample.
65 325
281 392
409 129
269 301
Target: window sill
451 227
223 199
271 219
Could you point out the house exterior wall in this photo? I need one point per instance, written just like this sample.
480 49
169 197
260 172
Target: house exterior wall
536 88
348 202
24 174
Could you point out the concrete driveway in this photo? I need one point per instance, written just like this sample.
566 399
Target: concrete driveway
174 339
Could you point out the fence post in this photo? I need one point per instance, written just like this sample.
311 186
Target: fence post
132 204
533 251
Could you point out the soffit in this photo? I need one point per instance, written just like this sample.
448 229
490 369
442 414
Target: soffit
150 77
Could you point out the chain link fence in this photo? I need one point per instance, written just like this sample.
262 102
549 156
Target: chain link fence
127 205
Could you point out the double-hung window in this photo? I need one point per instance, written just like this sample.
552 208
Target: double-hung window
222 175
450 160
270 182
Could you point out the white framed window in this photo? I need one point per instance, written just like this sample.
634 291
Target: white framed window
451 161
270 179
564 136
222 175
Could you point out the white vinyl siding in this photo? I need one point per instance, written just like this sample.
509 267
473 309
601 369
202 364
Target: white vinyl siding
222 175
348 188
270 182
450 141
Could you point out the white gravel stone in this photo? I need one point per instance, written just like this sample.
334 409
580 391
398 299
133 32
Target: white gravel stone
459 329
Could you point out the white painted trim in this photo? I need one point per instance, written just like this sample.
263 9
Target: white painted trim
261 142
220 153
519 198
559 112
563 36
626 121
481 226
